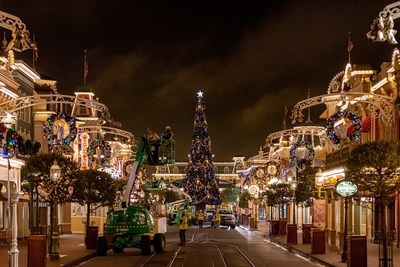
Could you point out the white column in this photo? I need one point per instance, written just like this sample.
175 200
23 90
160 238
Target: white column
14 231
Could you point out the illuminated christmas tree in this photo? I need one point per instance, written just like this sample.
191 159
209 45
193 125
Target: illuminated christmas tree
201 183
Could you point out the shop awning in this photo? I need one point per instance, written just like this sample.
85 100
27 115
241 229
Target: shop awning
366 125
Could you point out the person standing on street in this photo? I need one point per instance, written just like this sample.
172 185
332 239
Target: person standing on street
183 225
200 218
217 220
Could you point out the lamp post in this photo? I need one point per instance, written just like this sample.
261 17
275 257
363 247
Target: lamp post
13 189
55 174
293 186
319 181
344 252
271 179
345 189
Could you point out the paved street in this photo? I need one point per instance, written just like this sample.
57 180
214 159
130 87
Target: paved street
256 244
208 247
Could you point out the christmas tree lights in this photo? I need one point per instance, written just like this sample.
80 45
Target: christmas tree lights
201 183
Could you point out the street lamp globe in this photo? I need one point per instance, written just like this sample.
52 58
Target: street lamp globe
319 181
55 172
319 178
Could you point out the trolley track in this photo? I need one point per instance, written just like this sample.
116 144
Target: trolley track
223 254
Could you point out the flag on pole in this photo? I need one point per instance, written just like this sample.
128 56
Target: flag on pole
285 113
85 69
35 54
350 46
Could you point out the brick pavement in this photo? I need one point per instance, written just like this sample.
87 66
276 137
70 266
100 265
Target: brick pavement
72 252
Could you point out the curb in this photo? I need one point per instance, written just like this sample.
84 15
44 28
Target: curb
291 249
302 253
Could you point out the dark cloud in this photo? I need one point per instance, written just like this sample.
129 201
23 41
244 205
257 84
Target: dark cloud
147 59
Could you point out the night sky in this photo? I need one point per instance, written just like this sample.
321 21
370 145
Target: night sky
147 59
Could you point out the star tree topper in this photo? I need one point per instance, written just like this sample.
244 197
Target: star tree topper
199 94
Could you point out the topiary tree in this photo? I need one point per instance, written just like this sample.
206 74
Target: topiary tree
230 195
279 194
244 199
94 189
373 167
36 181
305 185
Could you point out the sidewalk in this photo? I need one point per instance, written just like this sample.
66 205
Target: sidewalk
72 252
331 257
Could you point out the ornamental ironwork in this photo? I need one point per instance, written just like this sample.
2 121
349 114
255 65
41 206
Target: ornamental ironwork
108 130
20 103
379 106
294 133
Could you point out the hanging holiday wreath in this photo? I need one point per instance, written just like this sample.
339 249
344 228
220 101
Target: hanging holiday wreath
101 149
302 143
8 141
127 167
349 115
60 128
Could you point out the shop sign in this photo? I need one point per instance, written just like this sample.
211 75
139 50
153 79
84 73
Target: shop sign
346 188
84 147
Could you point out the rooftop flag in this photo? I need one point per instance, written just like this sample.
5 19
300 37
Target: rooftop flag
85 69
350 46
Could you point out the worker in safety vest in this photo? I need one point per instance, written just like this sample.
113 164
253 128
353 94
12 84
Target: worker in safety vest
200 218
183 226
217 220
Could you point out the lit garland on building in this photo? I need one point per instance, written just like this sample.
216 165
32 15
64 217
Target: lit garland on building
330 126
8 141
302 143
60 128
201 183
101 149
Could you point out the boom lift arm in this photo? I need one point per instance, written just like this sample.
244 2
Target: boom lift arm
176 189
144 155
